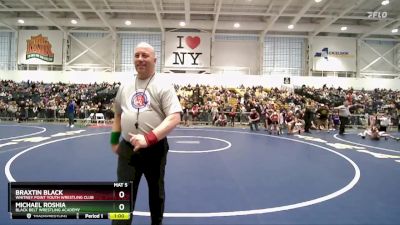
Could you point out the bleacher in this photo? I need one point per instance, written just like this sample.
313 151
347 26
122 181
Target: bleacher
34 101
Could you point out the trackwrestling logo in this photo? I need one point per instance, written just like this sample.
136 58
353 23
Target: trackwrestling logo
325 53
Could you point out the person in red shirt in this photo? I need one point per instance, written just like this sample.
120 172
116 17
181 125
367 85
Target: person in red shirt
195 112
232 115
222 119
275 122
254 119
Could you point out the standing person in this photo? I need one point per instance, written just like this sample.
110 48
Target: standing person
146 111
232 115
308 117
323 115
71 112
384 122
344 114
398 120
214 112
336 120
185 116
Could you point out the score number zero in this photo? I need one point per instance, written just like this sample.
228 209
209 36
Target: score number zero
121 194
121 206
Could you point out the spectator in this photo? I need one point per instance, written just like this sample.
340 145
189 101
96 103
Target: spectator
71 112
222 120
232 115
254 119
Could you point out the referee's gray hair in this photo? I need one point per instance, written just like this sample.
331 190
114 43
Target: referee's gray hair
144 45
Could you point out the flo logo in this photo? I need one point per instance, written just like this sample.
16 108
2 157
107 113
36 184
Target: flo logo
40 48
325 53
377 15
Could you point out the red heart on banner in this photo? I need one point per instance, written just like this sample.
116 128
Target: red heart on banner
192 42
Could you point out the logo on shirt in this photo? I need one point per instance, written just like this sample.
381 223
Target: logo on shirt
139 100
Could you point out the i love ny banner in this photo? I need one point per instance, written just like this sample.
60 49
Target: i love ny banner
187 50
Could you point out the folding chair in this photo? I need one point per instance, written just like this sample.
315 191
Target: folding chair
89 119
100 118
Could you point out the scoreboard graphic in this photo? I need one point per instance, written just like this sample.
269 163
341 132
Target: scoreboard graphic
70 200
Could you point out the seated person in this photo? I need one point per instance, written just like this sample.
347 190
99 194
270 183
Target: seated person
195 112
222 120
374 134
384 122
299 123
275 122
290 122
254 119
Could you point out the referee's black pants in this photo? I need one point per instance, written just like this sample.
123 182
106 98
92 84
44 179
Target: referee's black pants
148 161
344 120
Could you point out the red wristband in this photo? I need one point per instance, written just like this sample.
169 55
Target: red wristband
151 138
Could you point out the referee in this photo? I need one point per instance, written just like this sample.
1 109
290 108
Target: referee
146 111
344 114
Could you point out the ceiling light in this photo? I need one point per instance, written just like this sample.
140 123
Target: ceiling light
291 26
317 1
128 22
182 23
21 21
236 25
74 21
385 2
343 28
395 30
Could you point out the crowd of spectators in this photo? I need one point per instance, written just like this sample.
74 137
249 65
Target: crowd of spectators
206 103
28 99
212 105
372 101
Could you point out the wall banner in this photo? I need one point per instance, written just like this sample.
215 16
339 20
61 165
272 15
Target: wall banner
40 47
187 50
334 54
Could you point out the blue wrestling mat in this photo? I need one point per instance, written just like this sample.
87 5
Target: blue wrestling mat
223 176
